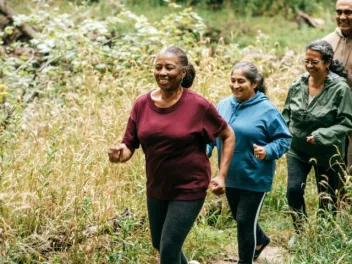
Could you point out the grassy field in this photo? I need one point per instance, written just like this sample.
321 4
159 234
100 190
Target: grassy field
242 30
61 201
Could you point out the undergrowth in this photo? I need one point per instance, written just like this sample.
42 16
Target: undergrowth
68 98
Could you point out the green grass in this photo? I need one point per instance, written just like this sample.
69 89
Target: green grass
243 30
55 179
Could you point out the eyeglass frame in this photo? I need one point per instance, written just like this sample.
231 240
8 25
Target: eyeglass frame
312 62
346 12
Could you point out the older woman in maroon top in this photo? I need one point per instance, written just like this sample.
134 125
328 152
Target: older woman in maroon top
173 125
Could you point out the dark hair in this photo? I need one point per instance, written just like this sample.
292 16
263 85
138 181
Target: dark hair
252 74
190 71
327 54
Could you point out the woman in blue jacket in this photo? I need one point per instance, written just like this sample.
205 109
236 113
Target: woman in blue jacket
261 138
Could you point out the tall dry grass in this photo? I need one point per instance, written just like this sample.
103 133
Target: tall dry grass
61 201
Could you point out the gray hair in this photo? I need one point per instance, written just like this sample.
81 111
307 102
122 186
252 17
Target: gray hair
251 73
327 54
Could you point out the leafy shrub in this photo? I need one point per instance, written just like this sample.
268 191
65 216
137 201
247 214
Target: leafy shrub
68 99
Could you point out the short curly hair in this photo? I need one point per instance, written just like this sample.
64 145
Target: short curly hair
327 54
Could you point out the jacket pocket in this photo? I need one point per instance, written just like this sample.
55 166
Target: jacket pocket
252 160
243 170
242 164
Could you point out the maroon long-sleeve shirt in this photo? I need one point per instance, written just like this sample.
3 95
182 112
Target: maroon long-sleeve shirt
174 143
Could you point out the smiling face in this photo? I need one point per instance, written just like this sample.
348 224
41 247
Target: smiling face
344 16
241 87
314 63
168 71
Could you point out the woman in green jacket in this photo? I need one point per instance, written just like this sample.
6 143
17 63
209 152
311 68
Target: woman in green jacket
318 111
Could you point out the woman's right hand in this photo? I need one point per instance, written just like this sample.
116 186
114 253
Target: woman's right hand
119 153
217 185
311 139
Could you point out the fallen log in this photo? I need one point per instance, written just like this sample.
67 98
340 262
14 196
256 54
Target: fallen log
26 30
310 21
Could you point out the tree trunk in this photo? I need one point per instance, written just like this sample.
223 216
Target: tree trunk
9 14
4 21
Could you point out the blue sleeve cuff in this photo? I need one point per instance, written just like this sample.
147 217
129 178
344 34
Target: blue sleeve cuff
269 153
210 148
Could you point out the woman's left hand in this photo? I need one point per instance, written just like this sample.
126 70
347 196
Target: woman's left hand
217 185
259 152
311 139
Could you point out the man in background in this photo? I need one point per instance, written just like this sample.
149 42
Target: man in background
341 42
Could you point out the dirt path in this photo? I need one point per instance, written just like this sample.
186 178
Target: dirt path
271 255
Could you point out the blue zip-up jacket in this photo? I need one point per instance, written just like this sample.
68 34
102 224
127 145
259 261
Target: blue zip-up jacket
256 121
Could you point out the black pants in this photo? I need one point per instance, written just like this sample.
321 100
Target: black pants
327 180
245 207
170 223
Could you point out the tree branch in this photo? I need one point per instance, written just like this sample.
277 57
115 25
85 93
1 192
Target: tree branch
9 14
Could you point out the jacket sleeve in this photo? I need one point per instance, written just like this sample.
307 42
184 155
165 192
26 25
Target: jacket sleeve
335 134
286 112
210 148
280 138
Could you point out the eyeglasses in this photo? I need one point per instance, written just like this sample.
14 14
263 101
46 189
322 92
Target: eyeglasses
313 62
346 12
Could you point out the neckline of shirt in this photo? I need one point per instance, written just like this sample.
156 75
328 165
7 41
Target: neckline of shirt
170 109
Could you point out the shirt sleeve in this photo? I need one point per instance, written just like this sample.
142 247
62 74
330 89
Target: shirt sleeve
213 124
130 138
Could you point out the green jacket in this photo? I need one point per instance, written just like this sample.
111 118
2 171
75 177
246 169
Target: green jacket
328 118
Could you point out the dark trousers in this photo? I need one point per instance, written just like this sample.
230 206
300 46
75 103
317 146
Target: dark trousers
170 223
245 208
327 180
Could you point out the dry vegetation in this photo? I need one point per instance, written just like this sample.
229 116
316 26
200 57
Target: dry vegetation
61 201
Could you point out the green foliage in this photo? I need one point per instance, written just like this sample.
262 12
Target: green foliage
334 234
283 7
251 7
67 98
225 25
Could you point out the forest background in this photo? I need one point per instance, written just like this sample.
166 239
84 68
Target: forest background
65 97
